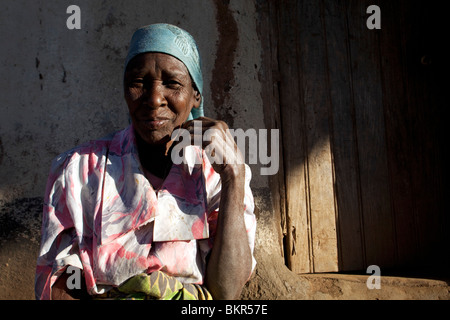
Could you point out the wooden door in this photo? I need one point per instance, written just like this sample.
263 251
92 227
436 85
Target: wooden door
361 117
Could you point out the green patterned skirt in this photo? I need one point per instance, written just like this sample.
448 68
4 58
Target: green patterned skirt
156 286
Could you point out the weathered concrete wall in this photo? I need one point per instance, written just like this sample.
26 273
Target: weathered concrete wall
62 87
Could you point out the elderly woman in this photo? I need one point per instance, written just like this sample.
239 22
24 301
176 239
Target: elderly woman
128 221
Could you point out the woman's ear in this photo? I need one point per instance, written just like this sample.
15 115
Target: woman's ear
198 99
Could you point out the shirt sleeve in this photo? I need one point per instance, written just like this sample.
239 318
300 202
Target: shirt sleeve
66 233
58 239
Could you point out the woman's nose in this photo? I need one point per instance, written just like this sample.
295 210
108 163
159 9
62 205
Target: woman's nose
155 97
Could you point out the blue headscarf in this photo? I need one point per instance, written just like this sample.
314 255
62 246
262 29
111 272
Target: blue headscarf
170 39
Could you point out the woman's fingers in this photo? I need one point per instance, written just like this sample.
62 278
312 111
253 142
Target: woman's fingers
215 138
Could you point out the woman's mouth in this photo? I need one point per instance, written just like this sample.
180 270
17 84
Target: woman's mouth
155 123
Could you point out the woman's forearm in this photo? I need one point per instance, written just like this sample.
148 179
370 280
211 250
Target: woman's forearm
230 262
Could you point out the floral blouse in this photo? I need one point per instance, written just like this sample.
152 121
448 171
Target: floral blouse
102 215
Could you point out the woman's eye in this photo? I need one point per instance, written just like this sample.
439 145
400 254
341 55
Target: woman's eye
173 84
136 83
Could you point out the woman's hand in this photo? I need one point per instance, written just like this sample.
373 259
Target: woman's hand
215 138
60 291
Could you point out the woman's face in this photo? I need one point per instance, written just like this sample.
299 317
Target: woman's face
160 95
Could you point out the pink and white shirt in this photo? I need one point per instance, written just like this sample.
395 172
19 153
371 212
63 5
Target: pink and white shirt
102 215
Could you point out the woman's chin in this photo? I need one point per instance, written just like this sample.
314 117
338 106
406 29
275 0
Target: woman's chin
154 138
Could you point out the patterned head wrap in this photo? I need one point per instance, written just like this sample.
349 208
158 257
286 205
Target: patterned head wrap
170 39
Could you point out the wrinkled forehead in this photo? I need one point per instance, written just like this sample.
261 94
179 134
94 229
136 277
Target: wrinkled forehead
156 61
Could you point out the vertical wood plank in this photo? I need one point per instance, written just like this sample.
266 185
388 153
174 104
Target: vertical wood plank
398 130
316 103
293 137
379 233
345 153
269 77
